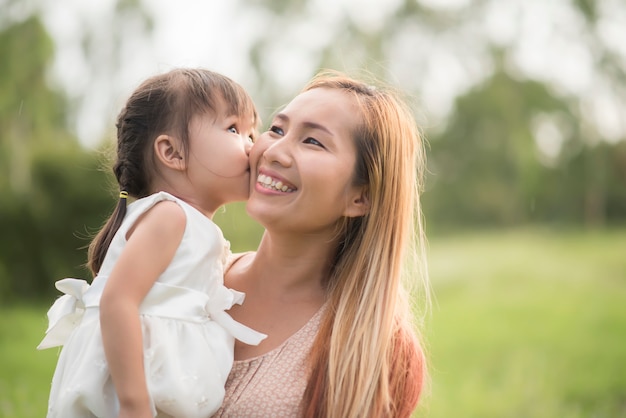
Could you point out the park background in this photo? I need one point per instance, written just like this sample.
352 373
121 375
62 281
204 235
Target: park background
523 105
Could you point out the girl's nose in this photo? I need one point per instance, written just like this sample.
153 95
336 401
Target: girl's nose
247 145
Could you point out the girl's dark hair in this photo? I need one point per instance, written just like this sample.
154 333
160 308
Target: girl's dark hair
163 104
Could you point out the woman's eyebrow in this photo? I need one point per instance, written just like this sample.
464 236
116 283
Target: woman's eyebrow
282 117
307 124
313 125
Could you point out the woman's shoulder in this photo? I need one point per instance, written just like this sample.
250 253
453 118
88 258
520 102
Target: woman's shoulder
235 264
237 261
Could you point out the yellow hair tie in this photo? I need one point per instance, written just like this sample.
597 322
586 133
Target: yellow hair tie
123 195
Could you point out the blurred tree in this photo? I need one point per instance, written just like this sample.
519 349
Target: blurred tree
532 130
484 168
30 112
516 146
46 231
47 181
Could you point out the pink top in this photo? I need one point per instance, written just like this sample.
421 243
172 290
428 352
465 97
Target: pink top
271 385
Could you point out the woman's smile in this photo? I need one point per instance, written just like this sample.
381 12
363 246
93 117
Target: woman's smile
272 183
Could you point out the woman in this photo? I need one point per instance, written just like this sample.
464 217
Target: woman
335 185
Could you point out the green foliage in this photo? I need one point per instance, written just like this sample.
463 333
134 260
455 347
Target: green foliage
485 166
52 189
46 228
588 9
28 106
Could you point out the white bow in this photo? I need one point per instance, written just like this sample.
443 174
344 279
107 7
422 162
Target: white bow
66 312
223 299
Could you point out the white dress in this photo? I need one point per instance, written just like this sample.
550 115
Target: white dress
187 337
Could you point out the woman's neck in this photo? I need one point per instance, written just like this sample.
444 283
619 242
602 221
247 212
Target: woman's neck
291 266
283 283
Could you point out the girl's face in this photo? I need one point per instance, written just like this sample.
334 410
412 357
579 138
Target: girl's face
218 165
302 167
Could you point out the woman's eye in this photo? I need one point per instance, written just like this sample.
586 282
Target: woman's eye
275 129
313 141
233 129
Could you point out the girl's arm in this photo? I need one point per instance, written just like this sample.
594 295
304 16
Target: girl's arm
151 245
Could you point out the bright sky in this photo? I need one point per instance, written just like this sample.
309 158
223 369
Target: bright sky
438 66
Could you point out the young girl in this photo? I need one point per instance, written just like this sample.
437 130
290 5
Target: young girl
150 335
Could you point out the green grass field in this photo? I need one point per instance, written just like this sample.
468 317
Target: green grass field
525 323
528 324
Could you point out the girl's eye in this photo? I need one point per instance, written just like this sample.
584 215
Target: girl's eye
278 131
233 129
251 139
313 141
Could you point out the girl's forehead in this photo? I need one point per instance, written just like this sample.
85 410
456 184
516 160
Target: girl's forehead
240 105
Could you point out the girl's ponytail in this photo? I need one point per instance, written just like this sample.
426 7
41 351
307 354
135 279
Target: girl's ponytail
100 244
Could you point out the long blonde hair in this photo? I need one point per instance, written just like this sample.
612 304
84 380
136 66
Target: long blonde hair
367 360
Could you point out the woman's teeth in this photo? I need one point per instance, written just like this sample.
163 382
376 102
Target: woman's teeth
270 183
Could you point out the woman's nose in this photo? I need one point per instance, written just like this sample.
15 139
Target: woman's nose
279 152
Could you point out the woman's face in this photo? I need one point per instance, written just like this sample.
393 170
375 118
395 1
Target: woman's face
302 167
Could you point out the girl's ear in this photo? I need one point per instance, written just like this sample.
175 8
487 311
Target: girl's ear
359 204
169 152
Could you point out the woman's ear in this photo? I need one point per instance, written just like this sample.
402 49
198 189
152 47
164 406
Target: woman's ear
169 152
358 205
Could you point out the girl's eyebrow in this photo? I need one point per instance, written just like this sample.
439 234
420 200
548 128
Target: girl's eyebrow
309 125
